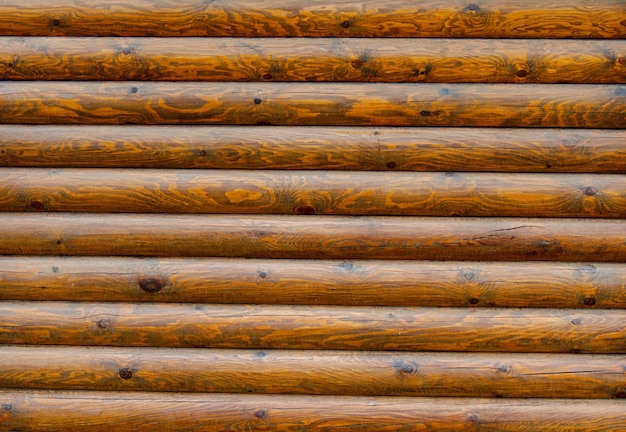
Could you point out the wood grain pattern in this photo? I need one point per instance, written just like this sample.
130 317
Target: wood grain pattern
307 192
370 60
284 104
338 282
332 237
376 373
394 18
137 411
313 327
356 148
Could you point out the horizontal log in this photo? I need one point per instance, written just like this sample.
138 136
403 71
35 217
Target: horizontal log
332 237
589 376
307 192
449 18
250 147
284 104
371 60
313 327
359 283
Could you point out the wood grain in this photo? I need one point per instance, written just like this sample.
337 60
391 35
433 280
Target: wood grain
370 60
332 237
313 327
376 373
327 148
337 282
307 192
284 104
318 18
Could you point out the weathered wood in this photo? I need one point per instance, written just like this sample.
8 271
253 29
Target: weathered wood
313 372
357 148
319 192
283 104
333 237
441 18
372 60
133 411
361 283
313 327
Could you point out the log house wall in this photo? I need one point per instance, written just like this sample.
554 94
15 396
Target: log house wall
251 215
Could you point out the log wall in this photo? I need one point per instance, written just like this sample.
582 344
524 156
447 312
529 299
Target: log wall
250 215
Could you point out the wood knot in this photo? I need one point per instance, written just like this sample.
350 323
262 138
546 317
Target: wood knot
151 285
125 373
37 206
104 323
590 301
304 210
590 191
522 73
406 369
357 63
345 24
260 414
474 301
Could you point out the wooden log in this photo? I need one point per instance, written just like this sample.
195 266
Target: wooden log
371 60
332 237
359 283
250 147
319 192
284 104
64 411
394 18
375 373
313 327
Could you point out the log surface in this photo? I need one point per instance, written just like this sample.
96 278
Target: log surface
366 18
320 192
321 104
337 282
332 237
370 60
136 411
313 372
313 327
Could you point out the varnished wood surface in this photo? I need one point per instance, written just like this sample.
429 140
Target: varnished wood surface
371 60
590 376
328 148
308 192
138 411
320 104
313 372
338 282
314 327
393 18
333 237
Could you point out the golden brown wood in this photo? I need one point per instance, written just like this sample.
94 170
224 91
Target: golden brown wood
357 148
372 60
395 18
356 104
319 192
313 372
333 237
313 327
360 283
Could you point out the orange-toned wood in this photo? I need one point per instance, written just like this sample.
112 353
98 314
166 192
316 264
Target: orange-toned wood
133 411
373 60
362 283
313 327
357 104
319 192
375 373
395 18
356 148
335 237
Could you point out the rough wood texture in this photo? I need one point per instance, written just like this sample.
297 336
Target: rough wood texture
395 18
132 411
372 60
313 327
306 192
364 283
356 148
334 237
323 104
313 372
